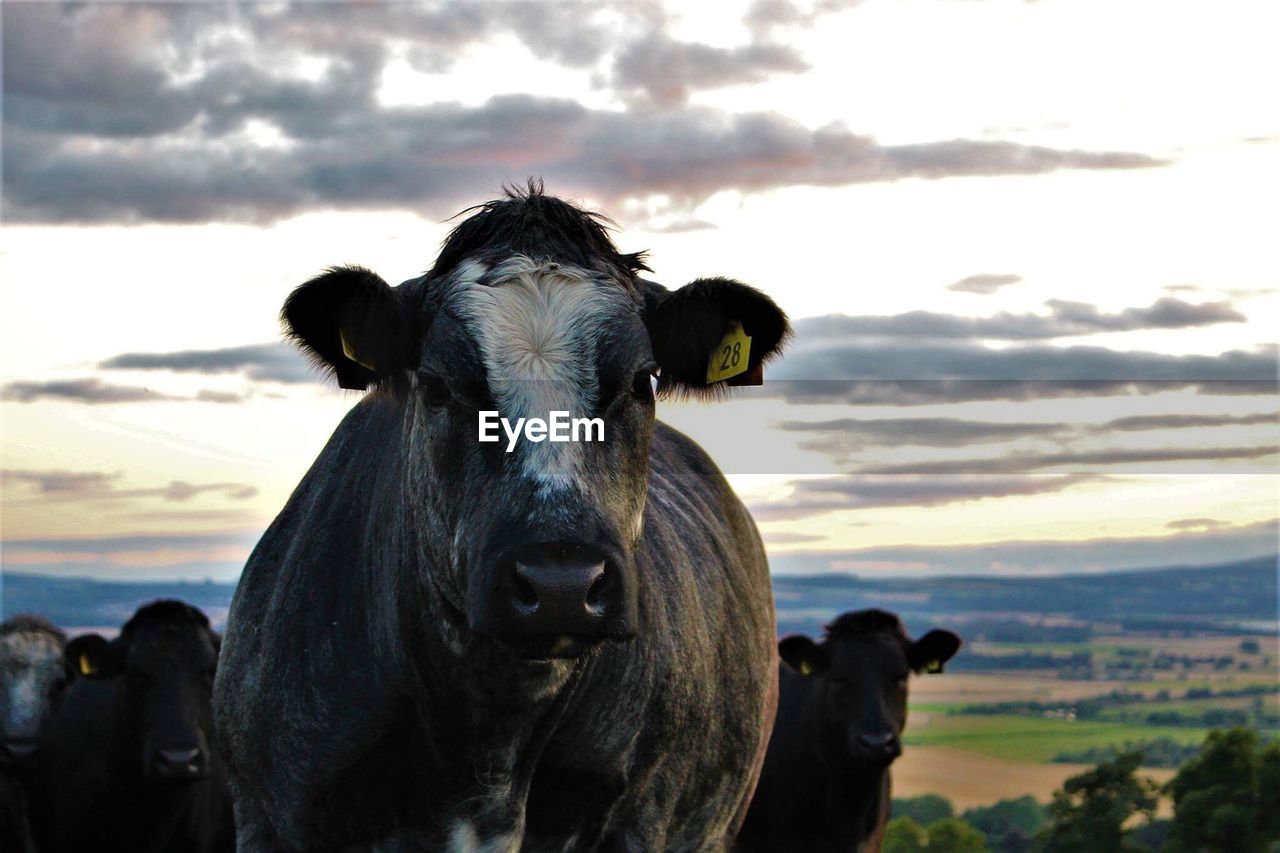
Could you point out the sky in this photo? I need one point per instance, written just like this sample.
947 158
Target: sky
1028 249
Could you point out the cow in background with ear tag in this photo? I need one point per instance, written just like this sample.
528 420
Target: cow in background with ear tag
842 708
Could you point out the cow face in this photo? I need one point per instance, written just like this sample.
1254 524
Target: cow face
31 682
862 668
530 310
164 662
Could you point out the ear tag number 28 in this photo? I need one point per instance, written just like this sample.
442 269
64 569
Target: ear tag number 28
731 356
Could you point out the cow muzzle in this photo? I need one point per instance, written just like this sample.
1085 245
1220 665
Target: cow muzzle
180 764
17 751
879 748
557 600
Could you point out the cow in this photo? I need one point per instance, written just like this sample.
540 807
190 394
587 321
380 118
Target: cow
841 711
446 644
127 761
31 682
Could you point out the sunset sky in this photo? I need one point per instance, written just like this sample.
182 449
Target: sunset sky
1029 249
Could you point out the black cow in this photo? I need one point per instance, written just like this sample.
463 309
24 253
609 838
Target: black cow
126 761
841 711
565 646
31 682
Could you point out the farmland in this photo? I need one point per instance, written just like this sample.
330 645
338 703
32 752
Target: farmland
1052 668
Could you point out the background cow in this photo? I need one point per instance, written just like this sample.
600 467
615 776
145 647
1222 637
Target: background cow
841 711
31 682
126 761
440 642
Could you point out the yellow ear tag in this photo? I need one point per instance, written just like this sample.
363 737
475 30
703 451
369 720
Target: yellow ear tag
933 666
86 665
731 356
350 352
806 668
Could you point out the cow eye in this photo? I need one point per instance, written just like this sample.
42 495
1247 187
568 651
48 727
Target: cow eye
642 387
435 391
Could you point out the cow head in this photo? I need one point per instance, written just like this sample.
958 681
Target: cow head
31 682
862 666
164 661
530 309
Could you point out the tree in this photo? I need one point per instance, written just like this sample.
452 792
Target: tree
1090 810
1009 824
924 809
955 836
904 835
1219 798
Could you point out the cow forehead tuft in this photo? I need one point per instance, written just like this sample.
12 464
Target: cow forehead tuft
30 647
165 612
866 624
31 623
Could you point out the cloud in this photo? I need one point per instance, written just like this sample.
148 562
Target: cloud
842 438
1022 463
984 284
197 555
91 391
825 366
1154 422
270 362
666 70
1197 524
61 485
851 433
925 392
1065 319
848 492
131 113
788 537
764 17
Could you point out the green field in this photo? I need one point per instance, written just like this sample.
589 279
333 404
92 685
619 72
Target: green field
1031 739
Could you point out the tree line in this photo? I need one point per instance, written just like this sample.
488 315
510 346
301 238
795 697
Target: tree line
1226 799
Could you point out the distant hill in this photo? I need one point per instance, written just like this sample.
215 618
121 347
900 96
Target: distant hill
1219 598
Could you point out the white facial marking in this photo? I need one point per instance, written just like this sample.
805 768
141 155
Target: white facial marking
37 661
538 328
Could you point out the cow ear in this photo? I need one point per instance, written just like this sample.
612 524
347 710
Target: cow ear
352 323
930 652
91 656
803 654
712 333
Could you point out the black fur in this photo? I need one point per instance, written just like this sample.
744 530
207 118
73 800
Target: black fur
366 695
356 302
528 222
686 325
822 788
96 787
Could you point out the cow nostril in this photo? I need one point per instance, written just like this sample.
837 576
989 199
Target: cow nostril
595 594
178 757
526 596
20 748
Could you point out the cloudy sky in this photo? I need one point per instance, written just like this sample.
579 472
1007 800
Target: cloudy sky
1029 248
